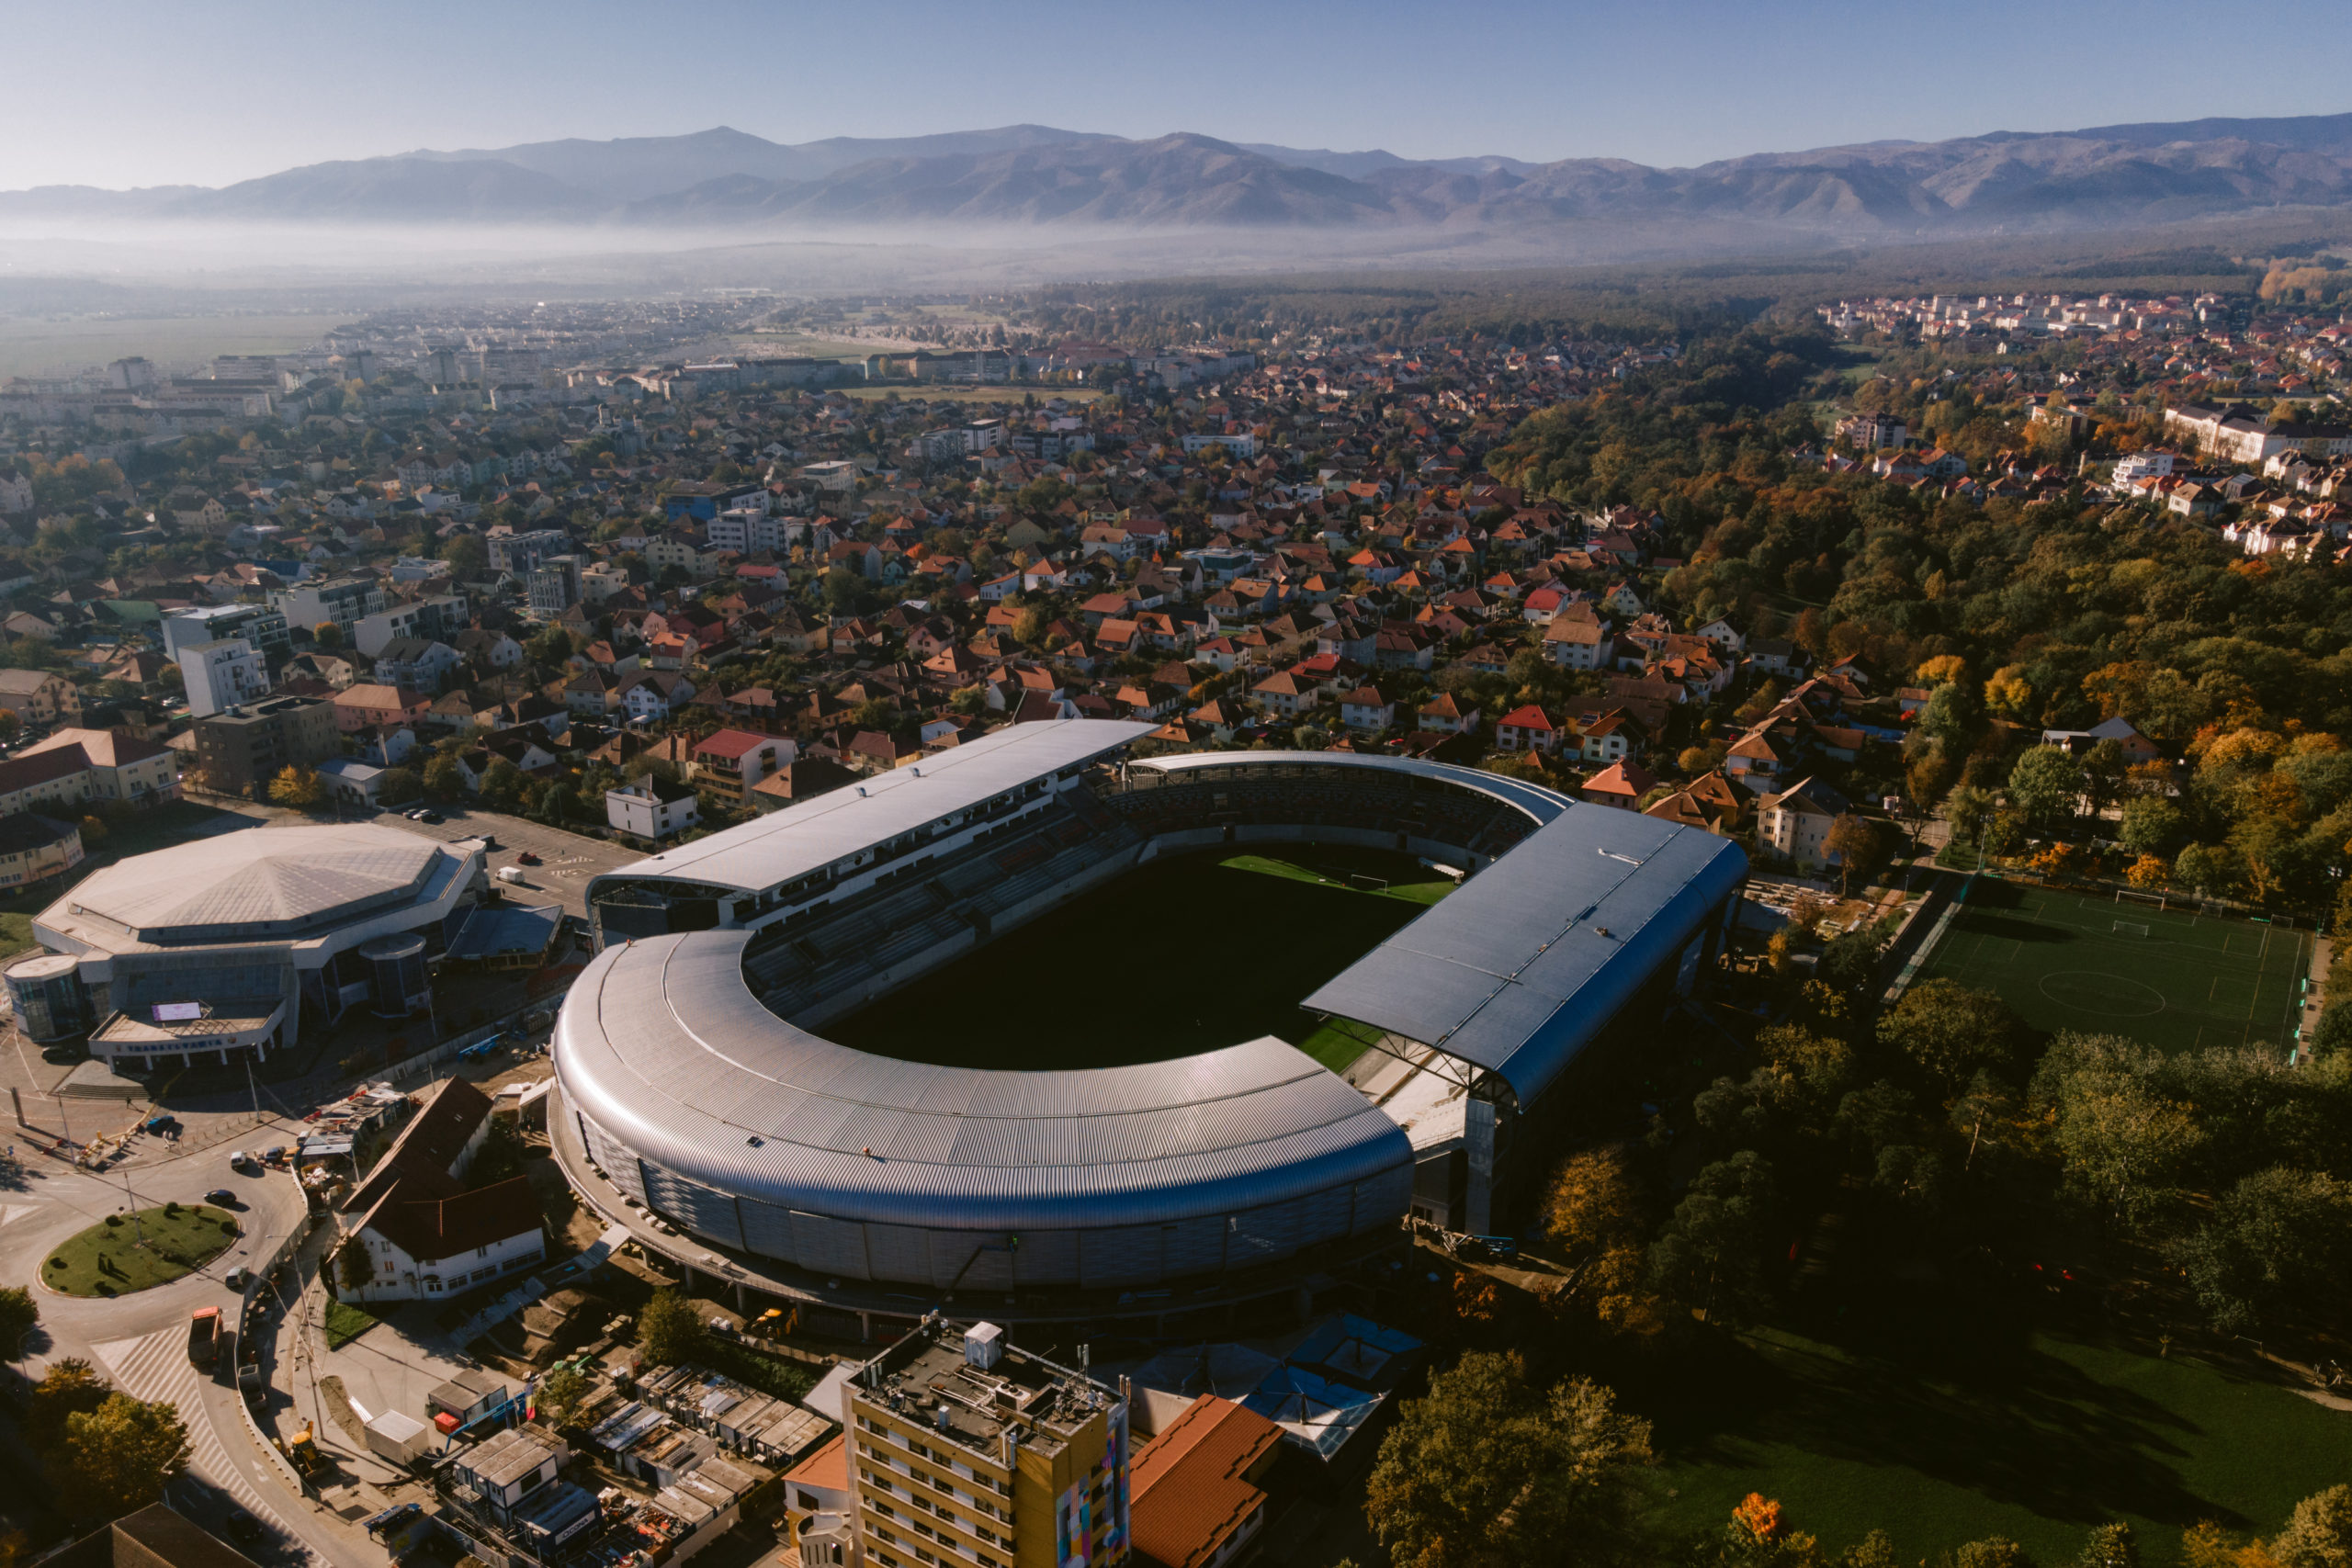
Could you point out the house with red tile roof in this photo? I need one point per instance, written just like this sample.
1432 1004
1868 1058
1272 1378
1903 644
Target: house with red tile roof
1195 1498
1621 784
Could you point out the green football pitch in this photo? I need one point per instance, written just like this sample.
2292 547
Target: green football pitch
2171 978
1179 956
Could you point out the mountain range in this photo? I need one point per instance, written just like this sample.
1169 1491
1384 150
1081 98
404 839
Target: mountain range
1037 175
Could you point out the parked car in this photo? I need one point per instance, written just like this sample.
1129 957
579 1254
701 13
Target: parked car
432 817
220 1195
242 1528
239 1159
527 858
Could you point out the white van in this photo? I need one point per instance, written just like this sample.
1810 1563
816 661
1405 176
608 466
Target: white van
510 874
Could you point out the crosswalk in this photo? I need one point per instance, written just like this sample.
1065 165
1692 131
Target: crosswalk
155 1367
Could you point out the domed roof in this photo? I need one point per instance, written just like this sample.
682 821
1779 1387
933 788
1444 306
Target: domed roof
259 884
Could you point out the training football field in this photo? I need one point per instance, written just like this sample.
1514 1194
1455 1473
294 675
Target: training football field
2171 978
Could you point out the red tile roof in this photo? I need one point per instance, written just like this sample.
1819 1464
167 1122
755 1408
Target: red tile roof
1191 1491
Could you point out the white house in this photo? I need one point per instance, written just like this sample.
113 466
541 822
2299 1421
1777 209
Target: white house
417 1233
652 809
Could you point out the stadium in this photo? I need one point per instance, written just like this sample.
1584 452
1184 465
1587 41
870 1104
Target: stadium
695 1080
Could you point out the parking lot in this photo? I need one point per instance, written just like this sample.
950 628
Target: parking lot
567 861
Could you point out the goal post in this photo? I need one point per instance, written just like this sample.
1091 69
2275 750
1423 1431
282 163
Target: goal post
2127 895
2129 928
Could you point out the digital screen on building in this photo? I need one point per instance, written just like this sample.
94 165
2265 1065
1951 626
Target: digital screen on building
178 1012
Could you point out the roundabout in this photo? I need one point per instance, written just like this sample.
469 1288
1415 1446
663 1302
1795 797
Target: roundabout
126 1253
2110 995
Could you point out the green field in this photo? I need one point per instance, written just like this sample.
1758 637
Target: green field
44 346
345 1322
119 1255
1180 956
2038 1440
2171 978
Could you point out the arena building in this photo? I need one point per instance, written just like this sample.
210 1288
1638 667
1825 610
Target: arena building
233 942
695 1083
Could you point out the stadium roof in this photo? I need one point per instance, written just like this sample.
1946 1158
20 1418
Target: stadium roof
663 1045
814 833
258 883
1517 970
1538 801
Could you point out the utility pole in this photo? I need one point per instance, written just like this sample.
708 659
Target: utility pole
130 1200
251 1086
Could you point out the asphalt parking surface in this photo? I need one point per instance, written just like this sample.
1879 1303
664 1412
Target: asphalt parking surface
567 861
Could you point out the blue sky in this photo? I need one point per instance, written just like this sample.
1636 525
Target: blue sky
137 93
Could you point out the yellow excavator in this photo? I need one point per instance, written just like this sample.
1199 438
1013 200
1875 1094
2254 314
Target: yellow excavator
301 1451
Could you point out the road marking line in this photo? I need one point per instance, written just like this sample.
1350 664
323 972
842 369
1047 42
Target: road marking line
155 1367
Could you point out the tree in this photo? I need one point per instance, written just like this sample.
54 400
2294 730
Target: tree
328 636
2126 1144
2148 873
550 647
2106 772
1711 1253
69 1388
563 1391
1856 842
2045 783
1596 1201
18 1314
445 778
298 787
2206 869
9 724
2151 825
467 557
668 1331
502 785
1993 1552
120 1456
2110 1546
560 804
94 832
1953 1032
2279 1240
398 786
2318 1533
2333 1032
1491 1470
1967 809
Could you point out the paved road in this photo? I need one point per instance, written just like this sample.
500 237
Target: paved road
140 1340
567 860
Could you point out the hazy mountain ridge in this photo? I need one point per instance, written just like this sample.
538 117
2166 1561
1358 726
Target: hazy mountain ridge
1039 176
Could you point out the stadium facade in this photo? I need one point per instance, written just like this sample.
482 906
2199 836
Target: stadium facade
695 1080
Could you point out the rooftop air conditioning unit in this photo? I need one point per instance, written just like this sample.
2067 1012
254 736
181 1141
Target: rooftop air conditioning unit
983 1345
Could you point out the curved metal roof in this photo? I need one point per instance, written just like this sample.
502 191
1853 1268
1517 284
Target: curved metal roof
662 1044
816 832
1519 970
1534 799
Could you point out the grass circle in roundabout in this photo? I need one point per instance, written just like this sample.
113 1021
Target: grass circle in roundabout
109 1259
2110 995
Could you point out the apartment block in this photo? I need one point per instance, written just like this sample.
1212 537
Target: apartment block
236 750
961 1448
439 619
258 624
518 553
222 676
345 602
